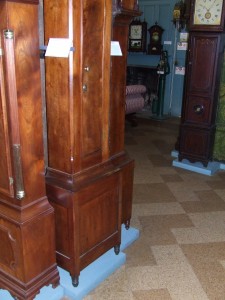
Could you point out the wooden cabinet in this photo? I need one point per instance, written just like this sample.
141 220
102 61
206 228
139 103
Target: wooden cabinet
204 61
201 94
89 176
27 252
123 13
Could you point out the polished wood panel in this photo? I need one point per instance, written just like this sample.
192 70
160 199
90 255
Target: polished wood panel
26 217
89 176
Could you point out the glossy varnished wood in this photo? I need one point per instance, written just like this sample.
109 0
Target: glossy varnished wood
27 252
89 175
83 185
123 15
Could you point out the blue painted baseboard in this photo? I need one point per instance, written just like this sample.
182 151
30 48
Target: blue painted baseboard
197 167
90 277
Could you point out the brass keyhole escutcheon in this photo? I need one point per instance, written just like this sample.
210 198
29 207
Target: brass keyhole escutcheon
198 109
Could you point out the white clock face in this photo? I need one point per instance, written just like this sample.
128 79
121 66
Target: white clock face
136 32
208 12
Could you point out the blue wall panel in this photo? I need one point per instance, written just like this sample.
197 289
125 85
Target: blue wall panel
161 11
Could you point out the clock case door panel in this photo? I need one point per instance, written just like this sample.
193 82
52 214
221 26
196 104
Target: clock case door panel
26 217
202 87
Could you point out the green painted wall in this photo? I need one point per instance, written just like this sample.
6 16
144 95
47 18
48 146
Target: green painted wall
219 145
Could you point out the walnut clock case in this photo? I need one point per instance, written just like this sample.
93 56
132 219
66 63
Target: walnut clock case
89 176
27 237
204 61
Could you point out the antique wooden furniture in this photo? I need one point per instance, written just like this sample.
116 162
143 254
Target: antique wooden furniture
123 13
134 102
27 237
204 61
89 176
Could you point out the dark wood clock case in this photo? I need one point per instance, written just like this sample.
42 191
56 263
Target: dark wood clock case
203 68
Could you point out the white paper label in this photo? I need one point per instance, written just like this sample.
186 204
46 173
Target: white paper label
115 49
58 47
182 46
183 36
167 42
180 70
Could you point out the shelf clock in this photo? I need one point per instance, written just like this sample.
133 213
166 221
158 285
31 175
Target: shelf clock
204 60
155 45
137 36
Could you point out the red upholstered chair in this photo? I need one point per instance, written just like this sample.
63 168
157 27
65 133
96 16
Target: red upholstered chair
134 101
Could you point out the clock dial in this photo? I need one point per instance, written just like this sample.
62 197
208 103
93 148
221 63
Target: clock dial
136 32
208 12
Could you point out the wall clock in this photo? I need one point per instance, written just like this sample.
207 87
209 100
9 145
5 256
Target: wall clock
137 36
155 45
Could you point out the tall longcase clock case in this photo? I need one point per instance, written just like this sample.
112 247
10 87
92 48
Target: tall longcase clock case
89 176
27 237
203 68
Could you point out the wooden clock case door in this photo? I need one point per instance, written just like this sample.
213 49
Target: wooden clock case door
88 175
27 252
201 94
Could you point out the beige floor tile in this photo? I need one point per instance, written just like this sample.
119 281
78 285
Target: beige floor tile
152 193
161 209
157 229
160 294
205 260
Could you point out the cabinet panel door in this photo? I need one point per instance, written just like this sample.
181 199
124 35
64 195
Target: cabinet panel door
96 72
5 161
202 63
196 143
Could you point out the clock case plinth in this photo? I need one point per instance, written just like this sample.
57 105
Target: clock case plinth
201 92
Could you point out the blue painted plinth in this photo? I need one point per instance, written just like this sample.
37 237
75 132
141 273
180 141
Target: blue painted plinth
197 167
90 277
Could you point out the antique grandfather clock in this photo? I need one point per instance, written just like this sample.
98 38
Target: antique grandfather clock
204 61
27 237
89 176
